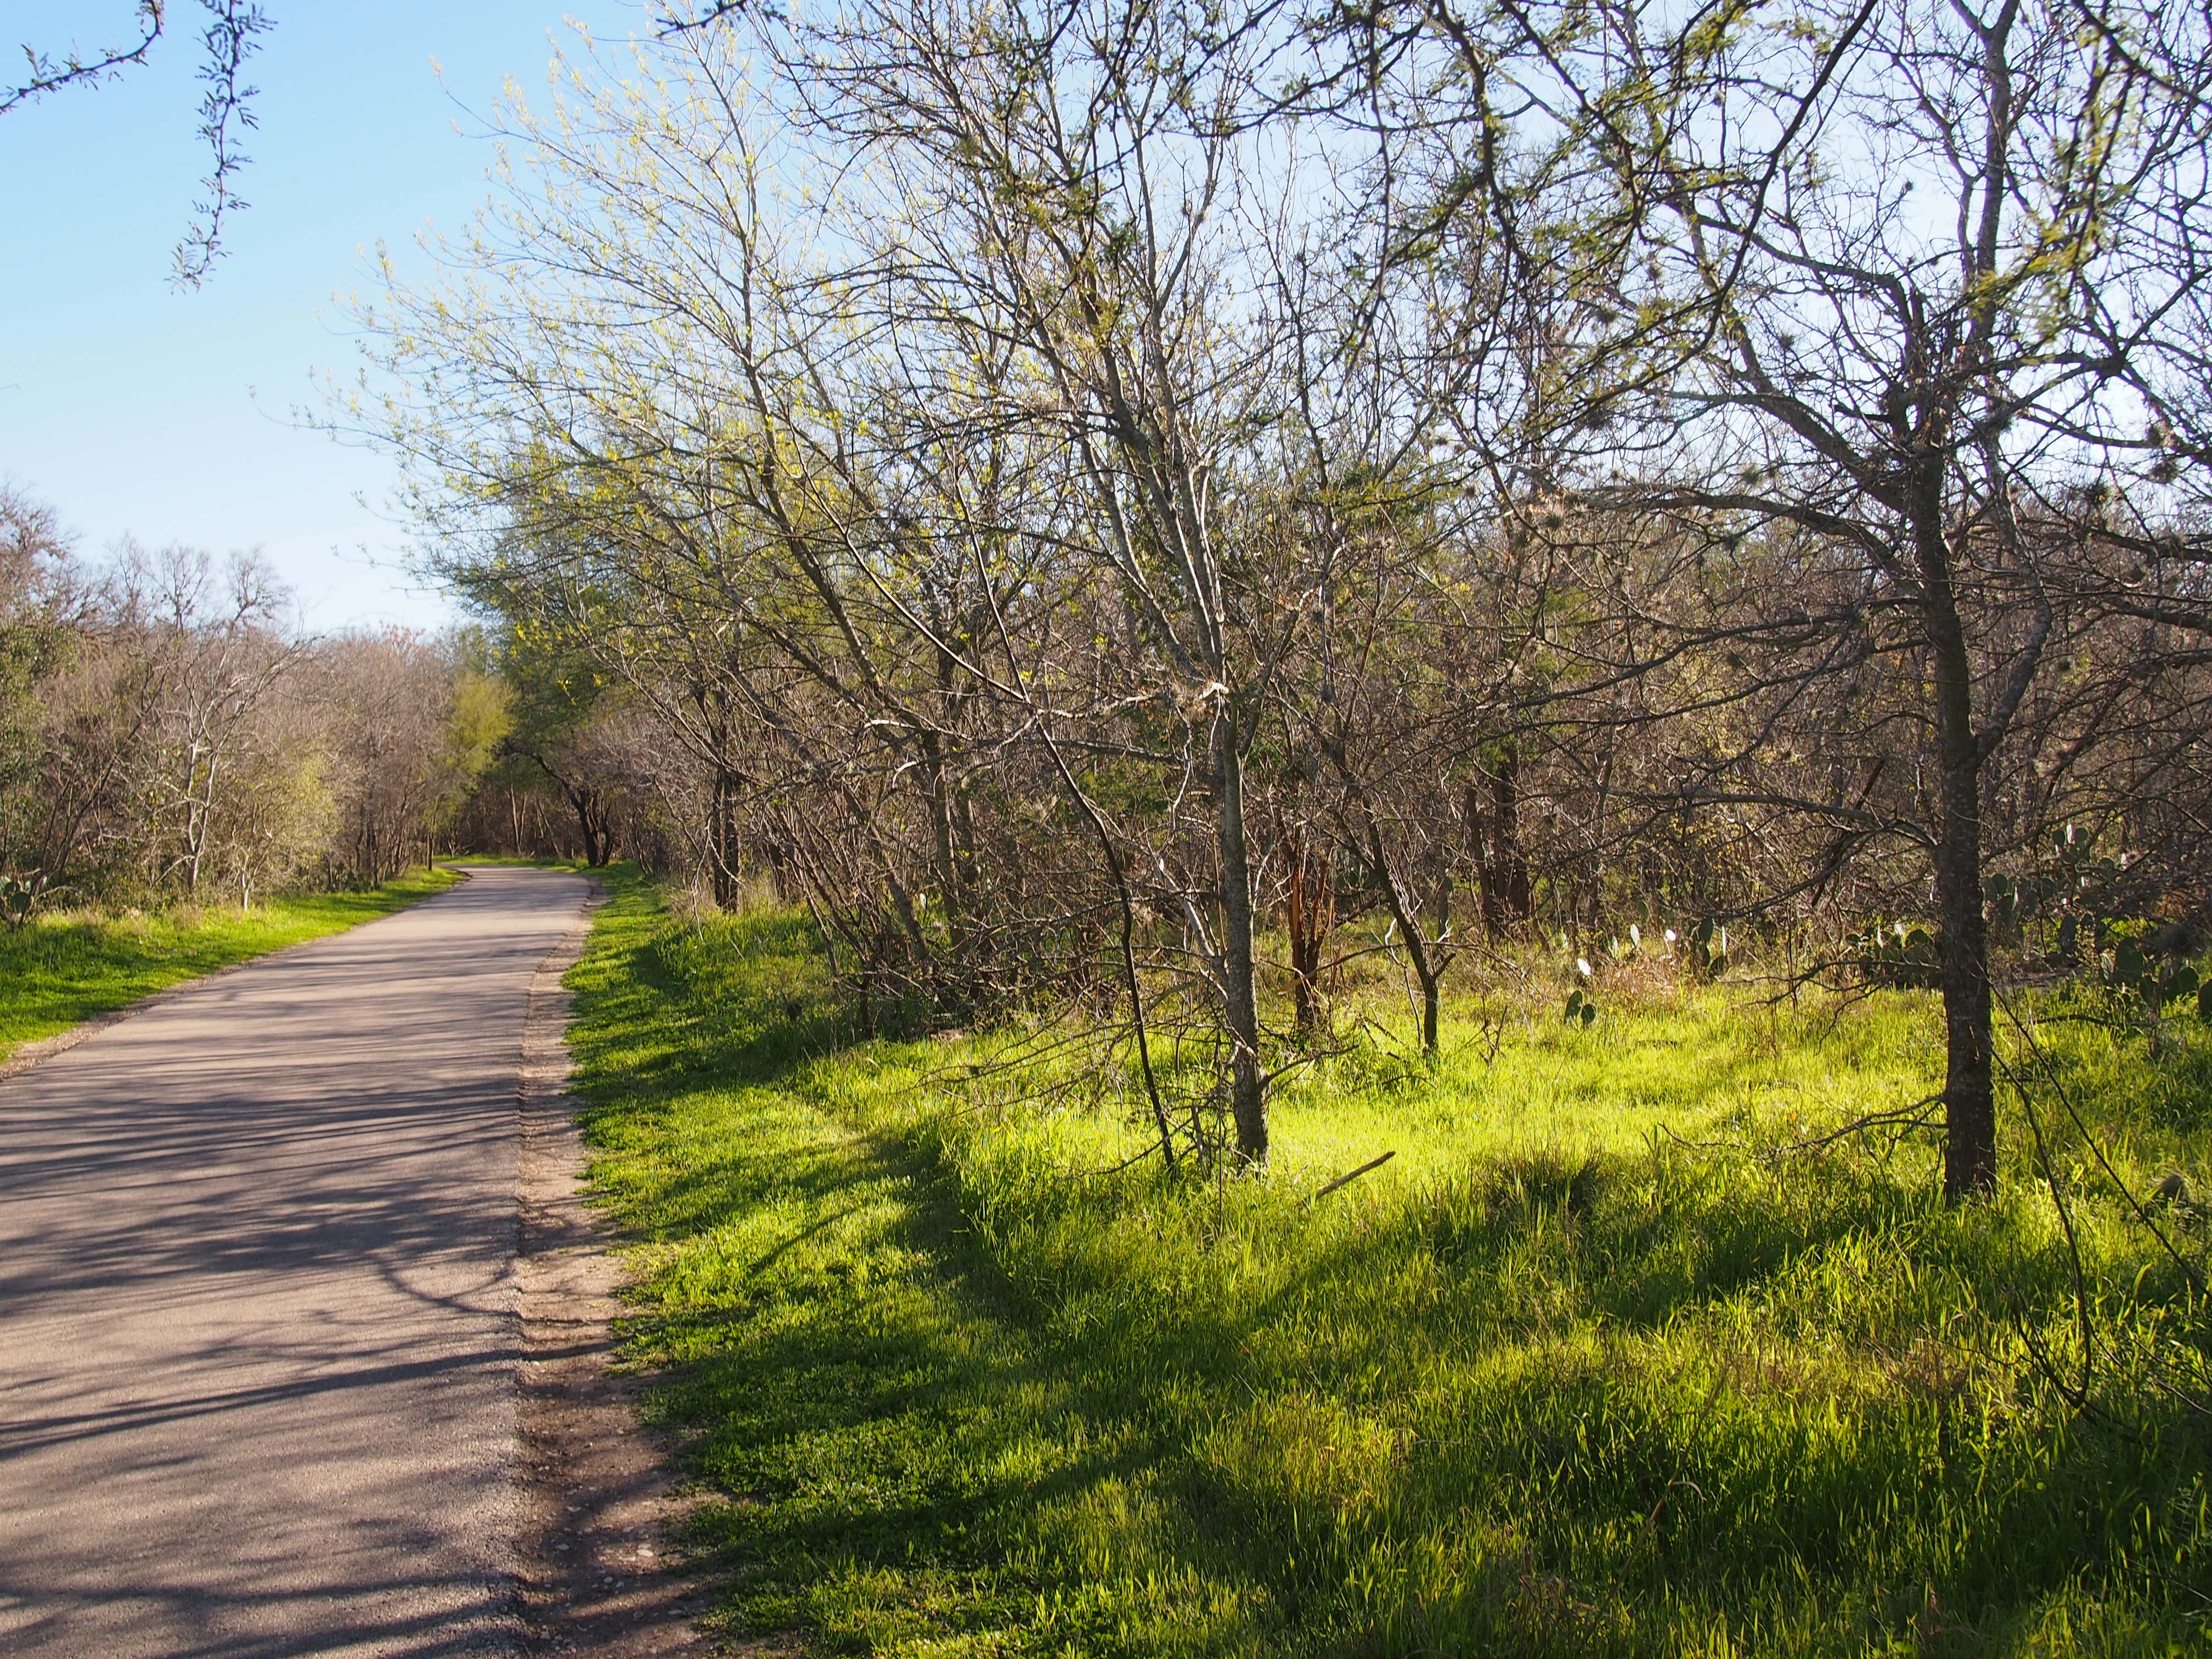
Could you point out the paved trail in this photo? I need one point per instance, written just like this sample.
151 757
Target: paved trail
257 1333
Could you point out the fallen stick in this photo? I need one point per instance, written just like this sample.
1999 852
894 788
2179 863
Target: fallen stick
1347 1179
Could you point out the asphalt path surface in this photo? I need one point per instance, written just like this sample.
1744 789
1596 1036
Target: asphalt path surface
257 1325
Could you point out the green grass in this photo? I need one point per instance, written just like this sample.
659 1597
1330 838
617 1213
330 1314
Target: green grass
64 968
1551 1382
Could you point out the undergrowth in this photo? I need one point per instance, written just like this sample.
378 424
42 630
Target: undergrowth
1586 1369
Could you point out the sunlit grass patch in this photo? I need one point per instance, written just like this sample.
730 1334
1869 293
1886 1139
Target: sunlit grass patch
1589 1367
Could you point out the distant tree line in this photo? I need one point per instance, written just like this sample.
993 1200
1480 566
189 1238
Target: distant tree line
167 732
1093 498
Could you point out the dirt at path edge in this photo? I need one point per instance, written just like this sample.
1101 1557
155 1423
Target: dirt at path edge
600 1573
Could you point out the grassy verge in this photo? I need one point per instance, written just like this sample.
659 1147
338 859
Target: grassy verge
64 968
1552 1382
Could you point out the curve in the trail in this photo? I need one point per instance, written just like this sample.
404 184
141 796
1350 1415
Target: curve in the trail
258 1331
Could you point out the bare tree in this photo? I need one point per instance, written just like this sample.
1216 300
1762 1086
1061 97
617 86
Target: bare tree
1067 487
224 652
410 731
1881 297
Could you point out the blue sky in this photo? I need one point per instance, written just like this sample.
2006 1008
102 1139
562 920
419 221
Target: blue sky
133 409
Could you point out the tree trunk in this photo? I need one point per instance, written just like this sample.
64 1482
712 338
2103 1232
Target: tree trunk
1248 1093
1506 896
588 826
1408 917
1970 1141
596 849
721 837
1970 1146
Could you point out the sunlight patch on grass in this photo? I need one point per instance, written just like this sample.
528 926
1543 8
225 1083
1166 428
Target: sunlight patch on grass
1552 1382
